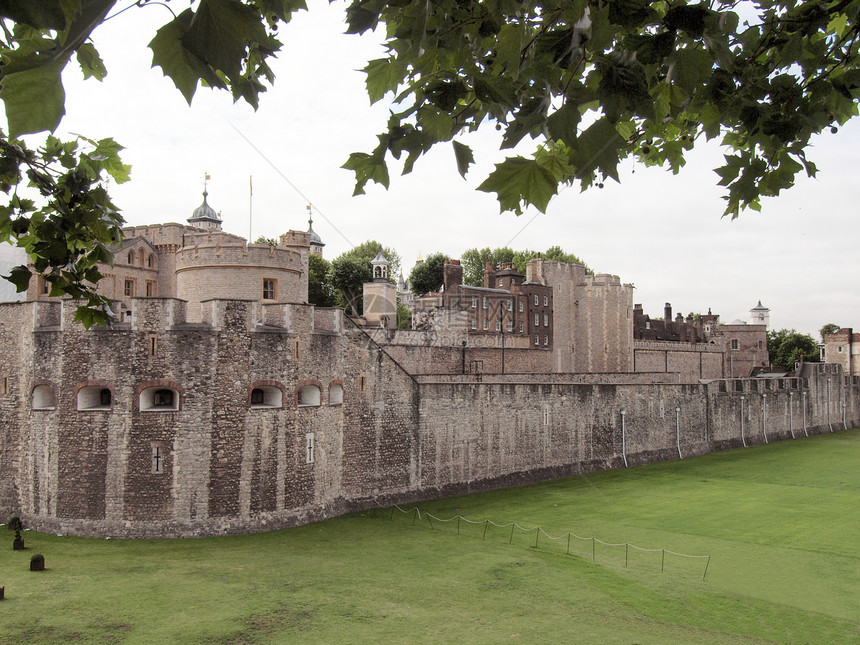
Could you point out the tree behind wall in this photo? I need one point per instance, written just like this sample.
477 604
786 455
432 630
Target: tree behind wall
429 275
785 347
320 290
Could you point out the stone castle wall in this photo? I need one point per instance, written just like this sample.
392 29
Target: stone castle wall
343 426
593 324
693 361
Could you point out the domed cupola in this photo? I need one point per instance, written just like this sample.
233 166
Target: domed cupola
204 216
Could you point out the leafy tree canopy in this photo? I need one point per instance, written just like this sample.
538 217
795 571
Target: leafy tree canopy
262 239
596 82
367 251
350 270
347 275
429 275
829 328
785 347
320 290
474 261
592 81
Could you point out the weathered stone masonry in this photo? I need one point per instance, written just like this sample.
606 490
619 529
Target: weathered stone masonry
269 415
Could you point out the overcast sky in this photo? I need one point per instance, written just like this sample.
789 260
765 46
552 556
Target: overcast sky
664 233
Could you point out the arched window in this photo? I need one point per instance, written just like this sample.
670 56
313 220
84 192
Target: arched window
150 261
94 397
309 395
266 396
335 394
131 257
159 399
44 398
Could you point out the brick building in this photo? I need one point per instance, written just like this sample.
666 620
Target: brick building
843 348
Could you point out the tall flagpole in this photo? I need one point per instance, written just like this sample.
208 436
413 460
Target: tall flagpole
250 206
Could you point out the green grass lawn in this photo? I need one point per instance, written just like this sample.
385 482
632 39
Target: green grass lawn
781 523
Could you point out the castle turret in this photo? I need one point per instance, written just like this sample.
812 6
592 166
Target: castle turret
204 216
380 267
760 315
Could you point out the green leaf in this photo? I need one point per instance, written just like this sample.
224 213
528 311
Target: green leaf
463 154
220 33
690 69
438 125
90 62
34 99
519 182
563 123
597 149
20 277
169 54
383 75
41 14
366 167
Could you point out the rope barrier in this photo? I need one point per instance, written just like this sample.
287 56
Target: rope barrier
416 512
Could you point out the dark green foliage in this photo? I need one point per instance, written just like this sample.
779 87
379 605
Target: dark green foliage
347 275
14 523
785 347
829 328
320 291
474 260
350 270
262 239
404 317
429 275
647 78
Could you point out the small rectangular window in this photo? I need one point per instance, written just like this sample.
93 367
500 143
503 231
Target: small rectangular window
546 340
46 286
510 305
474 302
521 306
537 320
537 300
129 287
546 301
153 345
486 324
734 343
269 289
498 325
297 350
485 302
500 283
521 328
537 339
546 320
839 349
150 288
309 448
474 323
510 325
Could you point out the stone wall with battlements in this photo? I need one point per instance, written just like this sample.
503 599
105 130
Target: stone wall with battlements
593 330
261 416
